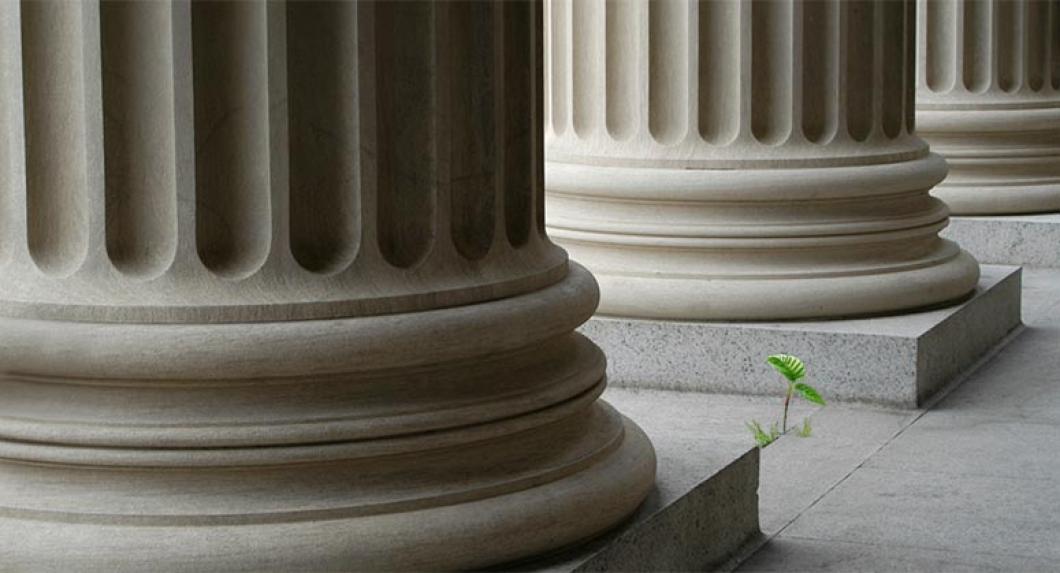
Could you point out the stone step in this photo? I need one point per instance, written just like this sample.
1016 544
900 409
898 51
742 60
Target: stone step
1032 240
896 361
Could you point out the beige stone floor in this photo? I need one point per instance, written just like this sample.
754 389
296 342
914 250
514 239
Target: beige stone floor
971 483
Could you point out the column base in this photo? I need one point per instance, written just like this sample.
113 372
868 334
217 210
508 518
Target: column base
892 360
1008 198
703 511
804 242
1002 161
1013 239
947 275
447 439
432 530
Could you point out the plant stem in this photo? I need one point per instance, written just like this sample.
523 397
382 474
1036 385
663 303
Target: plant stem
787 400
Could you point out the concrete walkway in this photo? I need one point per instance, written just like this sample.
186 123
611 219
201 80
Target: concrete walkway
970 484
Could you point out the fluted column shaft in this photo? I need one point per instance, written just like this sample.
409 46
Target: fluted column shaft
242 156
744 160
276 293
988 99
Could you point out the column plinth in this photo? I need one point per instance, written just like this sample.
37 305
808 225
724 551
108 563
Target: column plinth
988 99
744 160
277 293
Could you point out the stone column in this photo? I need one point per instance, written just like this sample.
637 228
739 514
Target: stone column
744 160
276 293
988 99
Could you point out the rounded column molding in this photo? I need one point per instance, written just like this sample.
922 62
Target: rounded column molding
744 160
988 99
277 293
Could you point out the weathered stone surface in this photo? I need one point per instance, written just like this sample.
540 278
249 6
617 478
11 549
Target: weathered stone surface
897 360
965 486
1032 240
959 513
792 553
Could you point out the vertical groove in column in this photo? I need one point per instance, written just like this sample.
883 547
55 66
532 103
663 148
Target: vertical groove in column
368 132
546 9
472 148
587 33
1054 41
771 70
910 36
892 93
12 139
231 135
139 133
184 132
976 48
537 139
667 72
941 16
56 134
860 77
559 11
1037 46
820 72
719 70
519 126
621 68
324 133
405 84
1008 22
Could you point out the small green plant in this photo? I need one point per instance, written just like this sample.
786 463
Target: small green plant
762 437
793 370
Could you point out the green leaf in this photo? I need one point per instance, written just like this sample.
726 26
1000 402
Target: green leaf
806 430
808 393
789 366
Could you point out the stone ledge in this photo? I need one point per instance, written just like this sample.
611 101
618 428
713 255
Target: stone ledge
891 360
703 510
1032 240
